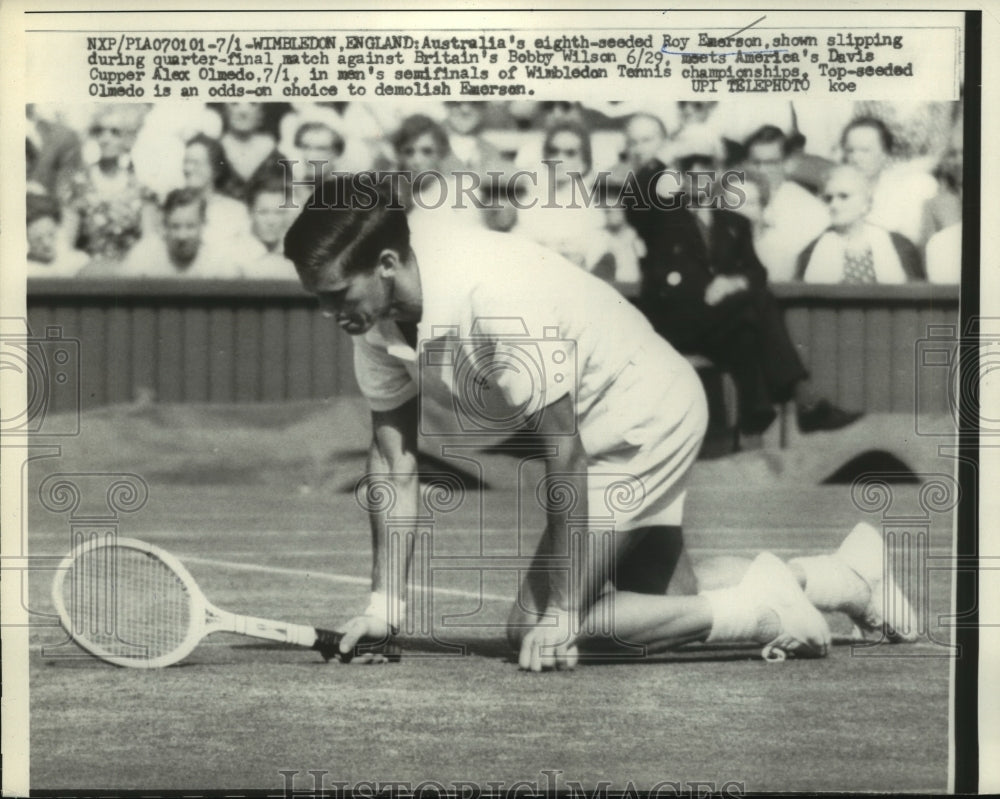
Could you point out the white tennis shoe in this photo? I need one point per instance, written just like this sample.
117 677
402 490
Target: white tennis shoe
802 630
886 609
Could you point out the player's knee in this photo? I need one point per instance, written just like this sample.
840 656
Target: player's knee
657 563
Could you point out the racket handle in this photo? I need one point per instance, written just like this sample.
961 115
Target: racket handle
328 645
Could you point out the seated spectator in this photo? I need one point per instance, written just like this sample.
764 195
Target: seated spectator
363 139
944 255
30 160
792 217
621 111
158 154
263 256
318 143
545 116
227 222
422 145
705 291
560 215
899 191
251 150
48 254
805 168
431 171
181 251
756 197
645 144
854 250
607 141
737 120
944 209
463 127
57 156
318 150
106 206
820 120
625 248
647 153
701 127
919 128
944 216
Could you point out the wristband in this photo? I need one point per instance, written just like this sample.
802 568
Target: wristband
379 607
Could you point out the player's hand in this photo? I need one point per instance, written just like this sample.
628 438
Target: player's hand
549 644
362 629
723 286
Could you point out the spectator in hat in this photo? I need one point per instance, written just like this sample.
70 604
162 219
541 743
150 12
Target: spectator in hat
105 209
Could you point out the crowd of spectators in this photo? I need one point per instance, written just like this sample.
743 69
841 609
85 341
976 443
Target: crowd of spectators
207 191
699 206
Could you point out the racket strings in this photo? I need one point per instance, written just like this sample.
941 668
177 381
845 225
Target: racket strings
127 602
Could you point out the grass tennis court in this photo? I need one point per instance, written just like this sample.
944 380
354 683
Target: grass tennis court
280 535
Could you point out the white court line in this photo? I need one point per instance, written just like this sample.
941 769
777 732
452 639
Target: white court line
334 578
365 581
715 551
220 536
346 578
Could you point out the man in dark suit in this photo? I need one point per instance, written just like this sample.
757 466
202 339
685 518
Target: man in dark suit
705 290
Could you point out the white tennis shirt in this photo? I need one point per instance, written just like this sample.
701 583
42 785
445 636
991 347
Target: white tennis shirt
509 327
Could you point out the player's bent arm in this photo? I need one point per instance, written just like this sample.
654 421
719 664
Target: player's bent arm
392 457
567 472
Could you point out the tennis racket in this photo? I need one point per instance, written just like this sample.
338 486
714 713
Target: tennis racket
133 604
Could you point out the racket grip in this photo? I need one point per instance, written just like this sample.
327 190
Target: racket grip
328 645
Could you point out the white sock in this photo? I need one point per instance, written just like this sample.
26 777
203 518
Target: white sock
832 585
735 617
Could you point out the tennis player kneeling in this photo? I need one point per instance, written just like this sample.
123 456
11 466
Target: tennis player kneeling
482 321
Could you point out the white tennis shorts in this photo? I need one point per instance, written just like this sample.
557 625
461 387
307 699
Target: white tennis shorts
645 434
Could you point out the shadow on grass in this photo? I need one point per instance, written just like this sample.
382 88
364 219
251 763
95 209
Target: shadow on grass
493 649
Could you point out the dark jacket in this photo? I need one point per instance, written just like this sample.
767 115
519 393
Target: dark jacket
909 257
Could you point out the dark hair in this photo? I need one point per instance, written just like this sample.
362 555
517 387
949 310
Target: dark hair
700 104
766 134
876 124
181 198
309 127
560 105
578 130
413 127
39 206
216 156
355 230
687 162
